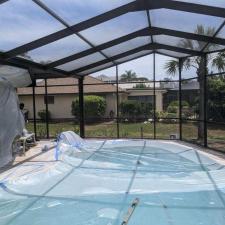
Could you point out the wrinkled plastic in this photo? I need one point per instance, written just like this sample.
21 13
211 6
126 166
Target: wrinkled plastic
97 187
11 120
16 76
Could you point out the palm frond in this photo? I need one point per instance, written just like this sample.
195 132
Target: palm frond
171 67
219 61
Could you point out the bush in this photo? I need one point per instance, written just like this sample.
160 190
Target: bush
94 107
176 103
42 115
134 109
174 106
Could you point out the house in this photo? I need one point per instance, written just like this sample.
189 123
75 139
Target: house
62 91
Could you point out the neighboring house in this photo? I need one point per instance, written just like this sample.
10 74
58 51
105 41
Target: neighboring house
60 97
62 91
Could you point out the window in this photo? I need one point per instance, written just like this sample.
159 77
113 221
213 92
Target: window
144 98
50 99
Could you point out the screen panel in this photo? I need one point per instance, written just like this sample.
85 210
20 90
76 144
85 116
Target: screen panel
162 68
117 27
22 22
58 49
184 21
137 70
172 53
126 46
81 62
133 56
179 42
102 76
97 68
77 11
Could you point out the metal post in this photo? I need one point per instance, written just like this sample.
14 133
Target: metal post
180 99
34 109
205 100
46 109
117 101
154 97
81 106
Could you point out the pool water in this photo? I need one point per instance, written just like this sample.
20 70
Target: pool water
175 185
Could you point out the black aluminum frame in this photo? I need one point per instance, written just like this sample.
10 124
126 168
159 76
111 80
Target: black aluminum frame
39 71
49 70
180 120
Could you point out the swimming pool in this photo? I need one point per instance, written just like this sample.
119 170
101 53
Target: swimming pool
174 184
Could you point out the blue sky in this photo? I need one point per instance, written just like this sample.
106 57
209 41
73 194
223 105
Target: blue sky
22 21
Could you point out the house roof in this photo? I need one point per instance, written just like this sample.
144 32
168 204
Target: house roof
70 86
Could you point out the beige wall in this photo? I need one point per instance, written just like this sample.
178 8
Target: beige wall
60 109
62 105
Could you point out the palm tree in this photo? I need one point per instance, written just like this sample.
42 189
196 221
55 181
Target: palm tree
129 75
216 60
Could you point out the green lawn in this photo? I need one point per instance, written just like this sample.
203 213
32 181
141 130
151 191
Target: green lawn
216 135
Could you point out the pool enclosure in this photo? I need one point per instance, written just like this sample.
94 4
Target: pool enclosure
61 39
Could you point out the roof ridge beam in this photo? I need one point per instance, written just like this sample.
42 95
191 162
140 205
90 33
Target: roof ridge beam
182 6
130 7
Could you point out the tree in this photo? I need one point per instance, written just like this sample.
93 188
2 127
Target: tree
217 60
140 86
216 98
129 75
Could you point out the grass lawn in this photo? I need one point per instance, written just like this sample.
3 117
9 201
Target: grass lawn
216 135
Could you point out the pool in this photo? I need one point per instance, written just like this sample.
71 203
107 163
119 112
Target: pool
172 184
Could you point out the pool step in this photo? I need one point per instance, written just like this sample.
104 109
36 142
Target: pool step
130 211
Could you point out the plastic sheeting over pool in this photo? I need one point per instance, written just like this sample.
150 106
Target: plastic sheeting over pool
96 185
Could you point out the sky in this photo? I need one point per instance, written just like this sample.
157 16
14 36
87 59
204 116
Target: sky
22 21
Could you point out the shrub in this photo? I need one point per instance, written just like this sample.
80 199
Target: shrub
42 115
94 107
174 106
135 109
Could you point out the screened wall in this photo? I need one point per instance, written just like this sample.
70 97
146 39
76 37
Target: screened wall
61 39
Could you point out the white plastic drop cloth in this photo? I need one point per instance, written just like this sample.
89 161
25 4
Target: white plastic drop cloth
16 76
11 120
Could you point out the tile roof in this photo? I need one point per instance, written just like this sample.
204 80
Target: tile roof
98 87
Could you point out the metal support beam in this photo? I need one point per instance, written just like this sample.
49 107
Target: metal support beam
180 98
205 100
46 109
3 1
182 6
34 108
154 98
117 101
81 106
